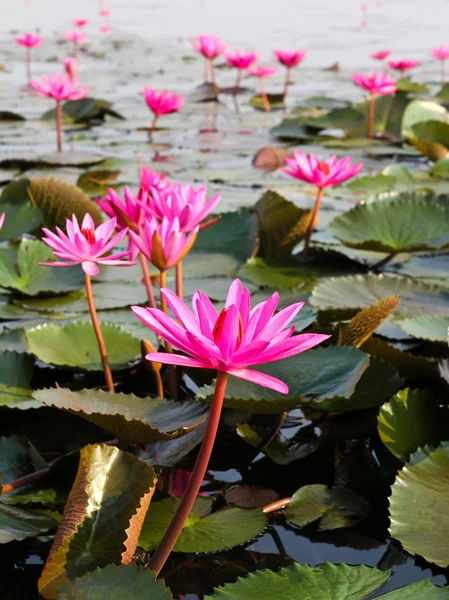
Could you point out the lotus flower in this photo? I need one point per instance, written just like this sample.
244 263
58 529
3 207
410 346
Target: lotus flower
2 219
86 246
322 174
151 181
161 103
403 65
261 73
105 12
105 28
186 204
163 243
441 53
231 341
289 59
240 61
376 84
80 22
380 55
28 41
209 46
71 67
76 37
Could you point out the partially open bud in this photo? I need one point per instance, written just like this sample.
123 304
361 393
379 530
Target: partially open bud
71 67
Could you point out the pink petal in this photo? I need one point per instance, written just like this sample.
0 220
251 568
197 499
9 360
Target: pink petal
176 359
90 268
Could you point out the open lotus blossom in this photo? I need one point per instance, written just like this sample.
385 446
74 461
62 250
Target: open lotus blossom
209 46
161 103
28 41
232 340
240 61
403 65
376 84
152 181
289 59
322 174
261 73
80 22
105 28
163 243
86 245
2 219
184 203
77 37
380 55
441 53
59 87
71 67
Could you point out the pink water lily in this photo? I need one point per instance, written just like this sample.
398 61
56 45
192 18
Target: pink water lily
163 243
59 87
105 28
29 40
376 84
441 53
151 181
209 46
77 37
80 22
403 65
184 203
161 103
322 174
240 60
2 219
86 245
232 340
71 67
380 54
262 73
290 58
105 12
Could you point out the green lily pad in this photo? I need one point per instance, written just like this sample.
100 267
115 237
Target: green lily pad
202 532
83 111
75 345
435 132
32 279
124 582
418 505
395 223
418 591
335 508
16 373
19 523
411 87
426 327
126 416
419 111
412 419
378 183
21 217
328 582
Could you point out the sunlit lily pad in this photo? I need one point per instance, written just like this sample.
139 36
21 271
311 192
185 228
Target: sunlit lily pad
427 327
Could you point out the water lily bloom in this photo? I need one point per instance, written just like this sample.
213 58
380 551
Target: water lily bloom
376 84
28 41
322 174
71 66
232 340
209 46
161 103
261 73
2 219
86 245
380 55
240 61
76 37
105 28
163 243
403 65
105 12
80 22
289 59
59 87
441 53
152 181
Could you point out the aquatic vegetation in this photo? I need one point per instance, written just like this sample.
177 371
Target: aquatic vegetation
28 41
161 103
376 84
240 61
261 73
71 66
290 60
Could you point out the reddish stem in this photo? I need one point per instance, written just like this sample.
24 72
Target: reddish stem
263 93
75 49
98 334
28 64
193 487
213 78
278 505
370 116
179 285
59 125
206 70
147 281
153 126
287 82
238 81
313 221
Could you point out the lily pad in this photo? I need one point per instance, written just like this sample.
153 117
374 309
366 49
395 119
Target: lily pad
334 508
16 373
202 532
83 111
426 327
418 505
126 416
395 223
75 345
418 591
19 523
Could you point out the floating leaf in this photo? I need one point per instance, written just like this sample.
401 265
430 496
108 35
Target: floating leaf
97 180
83 111
202 532
75 345
364 324
16 372
281 225
412 419
407 364
124 582
435 132
126 416
426 327
102 517
336 507
19 523
328 582
21 217
418 505
421 111
378 183
418 591
395 223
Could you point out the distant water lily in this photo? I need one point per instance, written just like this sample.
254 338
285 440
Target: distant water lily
151 181
228 342
403 65
2 219
209 46
28 41
290 60
59 87
105 28
77 37
80 22
322 174
240 61
262 73
105 12
71 67
376 84
380 54
161 103
441 53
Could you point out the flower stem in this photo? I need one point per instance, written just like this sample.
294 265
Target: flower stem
28 64
199 470
98 334
206 70
179 286
59 125
370 116
238 82
153 126
214 79
75 49
147 281
287 82
313 221
443 72
168 347
274 506
263 93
